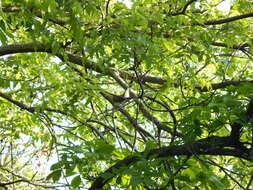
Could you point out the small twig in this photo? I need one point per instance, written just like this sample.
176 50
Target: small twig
27 108
224 170
184 8
250 181
107 7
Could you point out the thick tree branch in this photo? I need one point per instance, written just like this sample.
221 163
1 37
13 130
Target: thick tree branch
216 86
223 146
236 47
23 48
40 47
208 146
227 20
238 125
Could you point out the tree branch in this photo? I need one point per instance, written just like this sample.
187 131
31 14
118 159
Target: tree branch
23 179
216 86
208 146
237 125
134 123
226 20
14 9
236 47
187 5
27 108
214 145
184 9
145 112
78 60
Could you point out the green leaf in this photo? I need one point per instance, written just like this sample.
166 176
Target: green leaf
55 175
119 180
188 66
103 150
56 165
76 181
3 37
135 180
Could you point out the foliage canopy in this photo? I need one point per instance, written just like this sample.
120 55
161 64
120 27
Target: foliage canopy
101 95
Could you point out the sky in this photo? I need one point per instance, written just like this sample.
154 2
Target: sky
224 6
